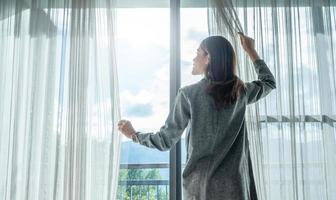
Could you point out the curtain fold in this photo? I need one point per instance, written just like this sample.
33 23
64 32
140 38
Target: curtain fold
60 103
292 131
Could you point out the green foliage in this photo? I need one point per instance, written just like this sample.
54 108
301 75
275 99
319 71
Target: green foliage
141 192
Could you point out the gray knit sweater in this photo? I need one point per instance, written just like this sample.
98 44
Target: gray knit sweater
218 165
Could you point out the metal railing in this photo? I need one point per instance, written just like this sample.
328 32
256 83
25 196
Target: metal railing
143 189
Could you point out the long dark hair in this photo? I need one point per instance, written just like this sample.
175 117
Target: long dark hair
224 85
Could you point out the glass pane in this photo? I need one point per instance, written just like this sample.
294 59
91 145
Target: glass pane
193 30
143 64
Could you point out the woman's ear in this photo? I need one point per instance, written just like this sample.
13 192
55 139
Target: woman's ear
207 61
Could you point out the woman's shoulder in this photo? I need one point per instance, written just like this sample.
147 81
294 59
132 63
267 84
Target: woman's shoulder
194 86
194 90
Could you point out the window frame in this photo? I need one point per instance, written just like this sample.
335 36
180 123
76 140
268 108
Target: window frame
175 164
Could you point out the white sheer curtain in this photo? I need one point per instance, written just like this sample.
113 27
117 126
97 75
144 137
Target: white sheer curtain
59 100
292 131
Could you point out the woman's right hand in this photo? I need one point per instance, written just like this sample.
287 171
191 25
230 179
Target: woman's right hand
249 46
246 42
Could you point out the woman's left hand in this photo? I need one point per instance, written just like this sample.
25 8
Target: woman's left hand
126 128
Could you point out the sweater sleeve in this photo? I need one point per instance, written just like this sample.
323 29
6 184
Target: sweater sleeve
171 131
258 89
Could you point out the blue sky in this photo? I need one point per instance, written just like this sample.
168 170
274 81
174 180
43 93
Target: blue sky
143 61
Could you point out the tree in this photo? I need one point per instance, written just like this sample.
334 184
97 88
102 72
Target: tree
140 192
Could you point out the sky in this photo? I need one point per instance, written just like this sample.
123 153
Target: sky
143 61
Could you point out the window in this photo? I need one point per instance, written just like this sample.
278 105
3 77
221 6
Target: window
143 58
194 29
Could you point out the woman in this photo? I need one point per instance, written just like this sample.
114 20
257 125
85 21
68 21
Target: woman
218 165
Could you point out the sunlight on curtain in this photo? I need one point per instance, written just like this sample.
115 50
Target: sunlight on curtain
59 104
292 131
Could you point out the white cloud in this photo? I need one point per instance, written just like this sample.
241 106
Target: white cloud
139 28
157 95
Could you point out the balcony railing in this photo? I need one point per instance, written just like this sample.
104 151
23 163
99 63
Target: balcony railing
143 189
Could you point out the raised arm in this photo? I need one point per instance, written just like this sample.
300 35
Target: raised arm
257 89
171 131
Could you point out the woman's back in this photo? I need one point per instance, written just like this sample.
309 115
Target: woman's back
218 164
208 126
